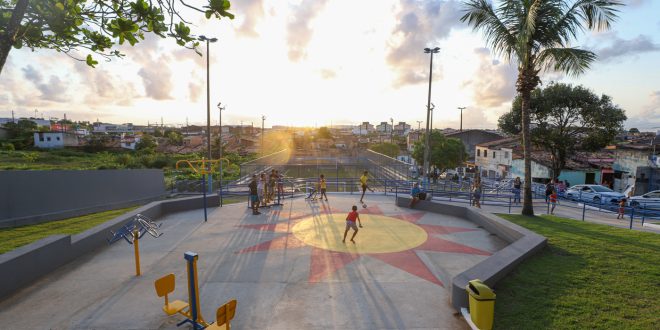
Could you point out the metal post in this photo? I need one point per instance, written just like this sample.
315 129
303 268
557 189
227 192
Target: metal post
136 245
204 191
632 216
428 113
584 209
509 204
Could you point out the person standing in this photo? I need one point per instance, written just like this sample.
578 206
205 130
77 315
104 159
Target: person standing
261 186
254 195
363 183
272 179
280 184
516 190
350 223
323 185
553 201
476 191
622 209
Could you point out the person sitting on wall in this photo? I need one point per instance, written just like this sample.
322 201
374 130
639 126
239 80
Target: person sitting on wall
416 194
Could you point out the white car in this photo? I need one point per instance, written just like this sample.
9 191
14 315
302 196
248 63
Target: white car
650 200
593 193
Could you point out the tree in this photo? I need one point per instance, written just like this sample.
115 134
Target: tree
21 133
324 133
174 137
95 26
565 119
386 148
634 130
443 152
536 34
147 143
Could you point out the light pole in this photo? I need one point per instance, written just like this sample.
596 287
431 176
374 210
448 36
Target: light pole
431 124
220 108
263 147
428 112
208 96
461 129
392 130
419 124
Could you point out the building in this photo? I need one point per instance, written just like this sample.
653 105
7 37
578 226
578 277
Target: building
129 141
472 137
384 127
412 138
401 129
363 129
102 128
50 140
494 158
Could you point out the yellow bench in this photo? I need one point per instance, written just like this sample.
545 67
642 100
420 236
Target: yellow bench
164 286
223 316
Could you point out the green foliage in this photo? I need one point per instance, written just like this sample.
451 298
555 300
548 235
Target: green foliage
443 152
8 146
589 276
21 134
146 144
324 133
98 26
633 131
386 148
566 119
174 137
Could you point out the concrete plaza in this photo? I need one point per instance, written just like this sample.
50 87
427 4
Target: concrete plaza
286 267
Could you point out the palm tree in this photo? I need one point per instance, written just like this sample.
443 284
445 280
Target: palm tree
537 35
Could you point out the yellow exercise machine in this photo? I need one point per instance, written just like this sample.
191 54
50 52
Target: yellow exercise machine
191 310
203 167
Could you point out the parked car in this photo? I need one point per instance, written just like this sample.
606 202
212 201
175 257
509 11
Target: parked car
448 174
593 193
650 200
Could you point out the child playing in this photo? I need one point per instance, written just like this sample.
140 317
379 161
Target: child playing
553 201
622 209
323 186
350 223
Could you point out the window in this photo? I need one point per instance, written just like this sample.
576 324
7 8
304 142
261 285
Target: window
493 154
485 153
58 138
48 138
506 154
478 152
41 138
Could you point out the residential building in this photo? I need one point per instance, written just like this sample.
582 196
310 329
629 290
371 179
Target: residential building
384 127
50 140
363 129
129 141
472 137
112 128
401 129
412 138
494 158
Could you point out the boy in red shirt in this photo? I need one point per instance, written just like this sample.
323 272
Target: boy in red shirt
553 201
350 223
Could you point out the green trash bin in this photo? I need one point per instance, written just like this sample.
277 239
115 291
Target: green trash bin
482 304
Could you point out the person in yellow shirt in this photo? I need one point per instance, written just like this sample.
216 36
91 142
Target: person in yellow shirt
363 182
323 185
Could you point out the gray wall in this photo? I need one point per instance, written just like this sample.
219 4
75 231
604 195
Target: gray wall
22 266
28 197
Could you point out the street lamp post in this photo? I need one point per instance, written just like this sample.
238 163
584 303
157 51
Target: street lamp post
392 130
419 124
208 107
428 112
263 147
461 108
208 95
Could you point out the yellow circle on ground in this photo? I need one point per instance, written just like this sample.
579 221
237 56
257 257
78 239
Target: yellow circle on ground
380 234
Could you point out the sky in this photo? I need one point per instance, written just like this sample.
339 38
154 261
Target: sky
322 63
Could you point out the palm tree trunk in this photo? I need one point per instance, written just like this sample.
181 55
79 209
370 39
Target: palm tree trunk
528 208
8 38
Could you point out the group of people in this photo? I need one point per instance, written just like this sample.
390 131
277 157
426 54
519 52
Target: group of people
263 189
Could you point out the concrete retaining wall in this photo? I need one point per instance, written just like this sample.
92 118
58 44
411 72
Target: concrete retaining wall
29 197
22 266
523 244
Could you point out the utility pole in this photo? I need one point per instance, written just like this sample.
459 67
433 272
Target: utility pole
431 125
428 112
392 130
461 108
13 120
419 124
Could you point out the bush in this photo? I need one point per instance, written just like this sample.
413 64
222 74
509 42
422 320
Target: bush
8 146
124 159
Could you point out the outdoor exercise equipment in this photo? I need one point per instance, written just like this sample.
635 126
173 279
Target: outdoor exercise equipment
191 310
203 167
132 231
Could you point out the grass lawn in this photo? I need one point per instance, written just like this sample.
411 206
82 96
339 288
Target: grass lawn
588 277
12 238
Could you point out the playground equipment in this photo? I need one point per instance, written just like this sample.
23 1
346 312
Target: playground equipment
191 310
133 231
204 167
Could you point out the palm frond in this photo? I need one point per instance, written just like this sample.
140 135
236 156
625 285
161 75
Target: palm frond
572 61
481 16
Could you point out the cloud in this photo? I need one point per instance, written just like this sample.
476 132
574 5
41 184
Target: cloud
623 48
195 89
250 11
421 24
52 90
494 82
103 87
299 33
649 117
157 78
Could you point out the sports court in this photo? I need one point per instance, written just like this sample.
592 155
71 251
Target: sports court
286 267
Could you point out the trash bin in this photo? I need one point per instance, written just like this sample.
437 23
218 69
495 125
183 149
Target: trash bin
482 304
